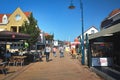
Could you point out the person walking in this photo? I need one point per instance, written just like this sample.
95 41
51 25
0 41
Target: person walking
47 52
54 51
61 50
7 55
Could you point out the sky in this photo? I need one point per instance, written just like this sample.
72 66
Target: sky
54 16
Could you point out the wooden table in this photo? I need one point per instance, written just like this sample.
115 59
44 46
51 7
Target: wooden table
19 59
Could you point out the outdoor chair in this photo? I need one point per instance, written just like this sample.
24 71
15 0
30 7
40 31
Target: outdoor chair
3 67
20 60
12 60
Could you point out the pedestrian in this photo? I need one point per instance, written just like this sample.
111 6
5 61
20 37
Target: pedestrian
54 51
7 55
61 50
20 52
47 52
40 55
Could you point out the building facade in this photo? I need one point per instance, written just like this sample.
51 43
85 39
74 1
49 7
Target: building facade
104 45
112 19
90 31
13 22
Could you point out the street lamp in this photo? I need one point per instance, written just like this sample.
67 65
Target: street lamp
82 26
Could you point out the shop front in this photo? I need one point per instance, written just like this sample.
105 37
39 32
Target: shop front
104 47
11 40
102 53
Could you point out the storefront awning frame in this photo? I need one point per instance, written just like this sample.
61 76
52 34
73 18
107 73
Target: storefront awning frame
106 32
11 36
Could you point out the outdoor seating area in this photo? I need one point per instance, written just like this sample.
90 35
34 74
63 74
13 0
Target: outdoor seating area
3 66
12 62
13 65
10 59
10 71
16 60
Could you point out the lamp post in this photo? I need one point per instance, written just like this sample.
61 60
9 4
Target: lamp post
82 26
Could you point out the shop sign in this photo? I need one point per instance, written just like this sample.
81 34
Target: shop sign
13 36
102 61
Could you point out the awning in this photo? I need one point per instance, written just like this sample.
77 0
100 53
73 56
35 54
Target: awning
8 35
75 43
106 32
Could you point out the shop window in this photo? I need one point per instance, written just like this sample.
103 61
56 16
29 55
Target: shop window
101 49
102 54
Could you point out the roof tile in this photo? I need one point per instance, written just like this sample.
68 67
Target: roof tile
27 13
114 12
8 15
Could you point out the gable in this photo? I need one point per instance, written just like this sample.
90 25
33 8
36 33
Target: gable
26 14
91 28
18 17
1 16
89 31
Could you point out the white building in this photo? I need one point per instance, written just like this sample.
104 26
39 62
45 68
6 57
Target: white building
90 31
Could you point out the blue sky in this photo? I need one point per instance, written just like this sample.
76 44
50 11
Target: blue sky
53 16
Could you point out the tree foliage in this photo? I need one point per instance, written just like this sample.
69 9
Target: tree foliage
30 27
49 37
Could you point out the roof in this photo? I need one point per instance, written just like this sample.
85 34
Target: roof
87 30
114 12
27 13
76 40
1 15
90 28
8 15
47 34
108 20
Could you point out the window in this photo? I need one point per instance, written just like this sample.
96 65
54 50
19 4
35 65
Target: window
92 31
18 17
20 29
101 49
13 28
4 19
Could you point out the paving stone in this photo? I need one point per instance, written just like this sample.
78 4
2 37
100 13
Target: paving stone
58 68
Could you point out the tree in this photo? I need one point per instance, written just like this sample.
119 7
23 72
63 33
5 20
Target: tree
49 37
30 27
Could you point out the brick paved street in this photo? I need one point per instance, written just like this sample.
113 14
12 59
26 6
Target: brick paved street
57 69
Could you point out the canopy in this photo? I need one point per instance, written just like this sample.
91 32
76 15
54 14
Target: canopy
106 32
8 35
75 43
